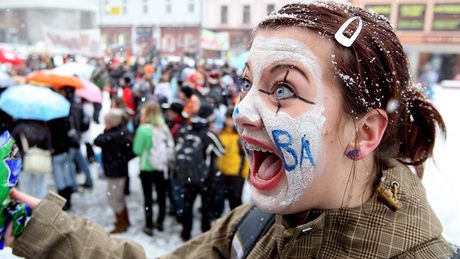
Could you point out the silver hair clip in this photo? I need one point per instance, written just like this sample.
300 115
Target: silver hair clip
344 40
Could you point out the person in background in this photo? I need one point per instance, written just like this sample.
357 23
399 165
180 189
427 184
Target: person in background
233 164
116 145
198 145
190 101
174 118
64 177
32 133
143 147
163 89
127 95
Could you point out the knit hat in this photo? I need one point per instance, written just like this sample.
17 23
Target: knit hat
205 111
176 107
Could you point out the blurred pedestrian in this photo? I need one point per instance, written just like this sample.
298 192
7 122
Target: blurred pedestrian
151 120
64 177
200 147
233 163
190 101
116 145
29 134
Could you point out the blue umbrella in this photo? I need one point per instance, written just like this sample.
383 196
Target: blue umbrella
33 103
5 80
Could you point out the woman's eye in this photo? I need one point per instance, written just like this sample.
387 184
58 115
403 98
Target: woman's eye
245 85
283 91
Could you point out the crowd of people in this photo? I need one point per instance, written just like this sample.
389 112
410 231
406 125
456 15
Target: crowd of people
188 107
331 124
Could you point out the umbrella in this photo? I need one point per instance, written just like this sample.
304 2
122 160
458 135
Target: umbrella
9 56
51 78
5 80
81 70
33 103
90 92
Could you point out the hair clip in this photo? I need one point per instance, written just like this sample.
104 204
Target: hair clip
344 40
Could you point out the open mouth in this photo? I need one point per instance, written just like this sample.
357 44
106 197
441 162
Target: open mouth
267 166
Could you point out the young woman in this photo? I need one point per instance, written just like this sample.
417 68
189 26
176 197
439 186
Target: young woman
330 121
151 118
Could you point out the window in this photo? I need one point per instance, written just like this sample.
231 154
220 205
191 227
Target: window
106 7
145 6
168 7
124 7
224 14
246 14
122 39
191 7
270 8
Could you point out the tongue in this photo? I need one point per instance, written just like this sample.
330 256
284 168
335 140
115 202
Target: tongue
269 167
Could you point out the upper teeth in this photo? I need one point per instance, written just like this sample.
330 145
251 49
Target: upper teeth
256 148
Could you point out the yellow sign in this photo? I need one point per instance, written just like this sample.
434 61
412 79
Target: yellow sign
115 10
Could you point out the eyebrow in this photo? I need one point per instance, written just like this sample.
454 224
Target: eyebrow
291 66
246 66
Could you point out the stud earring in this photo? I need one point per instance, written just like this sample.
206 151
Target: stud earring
353 154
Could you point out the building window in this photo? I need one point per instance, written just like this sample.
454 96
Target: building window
124 7
246 14
122 39
168 7
191 7
145 6
106 7
270 8
224 14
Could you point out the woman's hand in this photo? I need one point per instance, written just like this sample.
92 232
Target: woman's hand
31 201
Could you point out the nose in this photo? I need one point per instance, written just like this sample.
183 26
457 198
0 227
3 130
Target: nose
244 122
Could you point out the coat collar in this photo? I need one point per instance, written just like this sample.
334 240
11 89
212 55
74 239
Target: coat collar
371 225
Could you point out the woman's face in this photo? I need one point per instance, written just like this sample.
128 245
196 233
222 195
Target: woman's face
288 117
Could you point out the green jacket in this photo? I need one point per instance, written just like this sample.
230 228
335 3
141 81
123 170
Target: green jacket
142 146
369 231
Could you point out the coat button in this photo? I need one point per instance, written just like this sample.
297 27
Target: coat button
306 230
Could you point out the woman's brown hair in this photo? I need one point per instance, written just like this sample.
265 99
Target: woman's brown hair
374 74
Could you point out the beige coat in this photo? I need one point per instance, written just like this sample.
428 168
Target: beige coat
369 231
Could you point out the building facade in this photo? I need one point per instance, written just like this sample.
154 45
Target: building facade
172 27
21 20
238 17
144 27
429 31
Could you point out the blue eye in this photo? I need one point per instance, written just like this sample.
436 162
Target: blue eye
245 85
283 91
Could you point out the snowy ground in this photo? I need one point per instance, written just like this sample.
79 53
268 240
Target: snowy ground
441 181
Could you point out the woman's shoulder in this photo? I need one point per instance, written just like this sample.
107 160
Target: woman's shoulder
144 128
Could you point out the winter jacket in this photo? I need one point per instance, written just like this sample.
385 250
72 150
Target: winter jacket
60 139
128 98
36 133
369 231
116 144
233 162
143 146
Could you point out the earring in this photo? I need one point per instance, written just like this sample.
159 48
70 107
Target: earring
353 154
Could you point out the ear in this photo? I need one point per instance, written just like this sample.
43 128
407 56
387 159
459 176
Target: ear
369 132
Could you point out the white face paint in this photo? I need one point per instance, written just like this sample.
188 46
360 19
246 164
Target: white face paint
299 172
